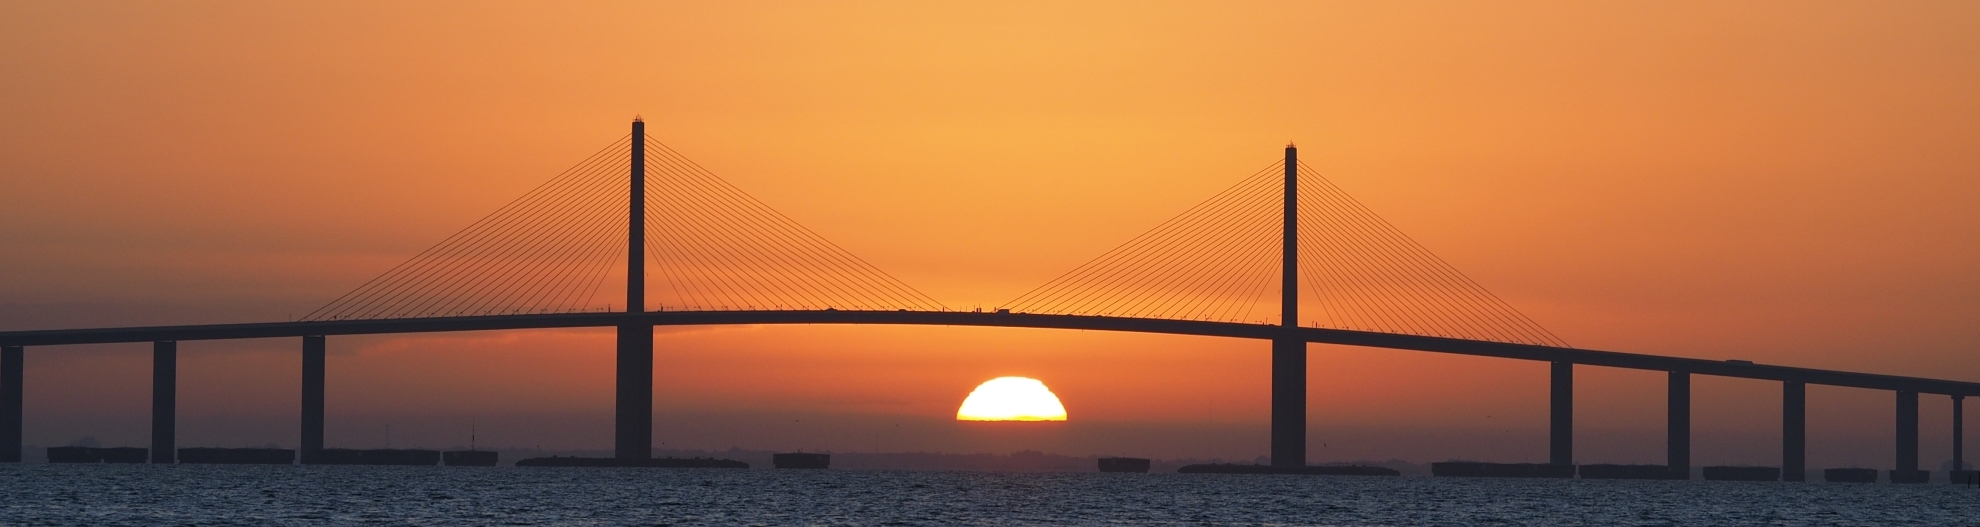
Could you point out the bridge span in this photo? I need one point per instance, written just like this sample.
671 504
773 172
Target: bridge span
537 262
1610 359
313 333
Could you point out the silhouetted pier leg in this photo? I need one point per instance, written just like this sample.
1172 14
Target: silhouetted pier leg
1959 432
10 403
1288 403
1678 444
164 400
634 425
312 400
1794 431
1907 430
1289 352
1560 436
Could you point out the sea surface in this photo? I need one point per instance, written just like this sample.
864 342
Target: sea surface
41 494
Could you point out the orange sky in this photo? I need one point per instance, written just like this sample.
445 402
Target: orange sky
1782 182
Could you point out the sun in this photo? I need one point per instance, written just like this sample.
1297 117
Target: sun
1011 399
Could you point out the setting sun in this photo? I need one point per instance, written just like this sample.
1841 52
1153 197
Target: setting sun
1011 399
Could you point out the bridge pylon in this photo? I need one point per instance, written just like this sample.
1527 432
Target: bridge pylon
633 424
1289 350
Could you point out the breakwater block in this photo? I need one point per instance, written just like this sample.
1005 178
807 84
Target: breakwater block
1850 475
1123 464
665 462
402 456
237 456
1473 469
1723 473
74 454
338 456
818 461
125 454
1605 471
83 454
1311 470
379 456
470 458
1963 477
1911 476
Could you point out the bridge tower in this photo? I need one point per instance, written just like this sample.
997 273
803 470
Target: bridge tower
633 425
1289 350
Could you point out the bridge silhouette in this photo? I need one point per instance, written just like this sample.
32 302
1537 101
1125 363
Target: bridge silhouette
725 258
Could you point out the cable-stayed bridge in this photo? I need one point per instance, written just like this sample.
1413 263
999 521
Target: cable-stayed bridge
1282 255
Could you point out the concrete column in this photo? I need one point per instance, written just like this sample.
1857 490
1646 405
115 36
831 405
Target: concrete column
1794 431
1678 444
164 401
636 222
633 422
1959 432
633 425
11 361
1289 352
312 400
1907 430
1288 403
1560 437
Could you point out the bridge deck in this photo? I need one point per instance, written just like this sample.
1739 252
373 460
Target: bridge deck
1016 320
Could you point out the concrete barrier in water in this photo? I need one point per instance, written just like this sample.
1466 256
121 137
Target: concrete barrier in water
84 454
1473 469
74 454
1850 475
125 454
1911 476
1310 470
665 462
1729 473
1608 471
237 456
379 456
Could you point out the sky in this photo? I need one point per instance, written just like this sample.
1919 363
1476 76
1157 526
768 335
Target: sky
1782 182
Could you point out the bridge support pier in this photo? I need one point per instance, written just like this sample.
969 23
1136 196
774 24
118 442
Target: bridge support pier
11 392
1288 403
1560 432
634 423
1959 433
164 401
1678 443
1907 431
1794 431
311 447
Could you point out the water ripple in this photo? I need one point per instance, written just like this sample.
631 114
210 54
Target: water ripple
40 494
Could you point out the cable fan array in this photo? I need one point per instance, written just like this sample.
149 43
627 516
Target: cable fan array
556 248
1370 276
1215 261
717 247
1220 261
550 250
712 246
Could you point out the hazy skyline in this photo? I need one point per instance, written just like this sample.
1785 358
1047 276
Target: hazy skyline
1788 183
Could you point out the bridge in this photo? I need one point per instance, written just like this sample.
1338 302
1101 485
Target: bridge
727 259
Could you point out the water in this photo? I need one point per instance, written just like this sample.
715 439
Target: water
39 494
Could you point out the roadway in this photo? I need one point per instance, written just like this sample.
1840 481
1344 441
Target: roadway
1727 368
